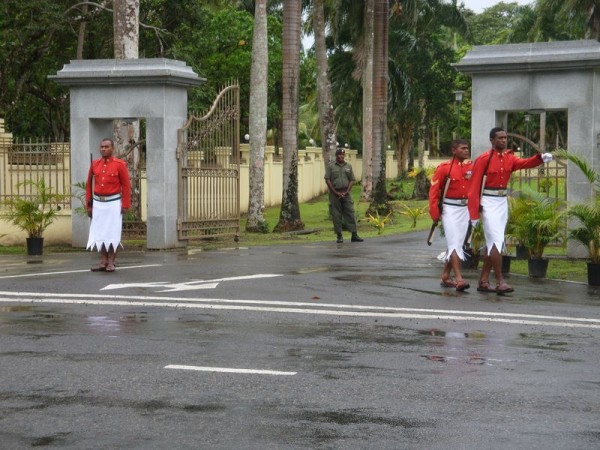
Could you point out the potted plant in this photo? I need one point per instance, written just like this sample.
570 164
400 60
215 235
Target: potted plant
515 232
541 224
474 248
33 213
586 221
588 234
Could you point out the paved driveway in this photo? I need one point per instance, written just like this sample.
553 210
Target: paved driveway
296 346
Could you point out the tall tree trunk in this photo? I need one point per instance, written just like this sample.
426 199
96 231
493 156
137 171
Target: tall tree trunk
289 217
422 135
367 85
402 141
326 110
126 25
81 32
380 89
258 118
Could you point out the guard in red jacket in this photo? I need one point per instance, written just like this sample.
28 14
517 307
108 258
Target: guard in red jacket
449 191
108 197
488 199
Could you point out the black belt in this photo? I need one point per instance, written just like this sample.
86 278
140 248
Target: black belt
107 198
456 201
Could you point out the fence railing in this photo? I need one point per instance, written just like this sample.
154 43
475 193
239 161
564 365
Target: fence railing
21 161
30 160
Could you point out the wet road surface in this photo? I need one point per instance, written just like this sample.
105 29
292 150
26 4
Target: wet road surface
306 346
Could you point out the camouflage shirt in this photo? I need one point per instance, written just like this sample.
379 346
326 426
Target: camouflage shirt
340 175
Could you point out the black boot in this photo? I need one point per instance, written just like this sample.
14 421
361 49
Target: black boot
340 238
356 238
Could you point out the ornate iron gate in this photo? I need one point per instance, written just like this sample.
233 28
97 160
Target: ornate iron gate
550 179
208 154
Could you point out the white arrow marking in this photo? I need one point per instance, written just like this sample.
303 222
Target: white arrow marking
190 285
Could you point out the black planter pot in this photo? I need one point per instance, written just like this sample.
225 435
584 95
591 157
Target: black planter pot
593 273
538 267
35 245
471 260
522 252
506 263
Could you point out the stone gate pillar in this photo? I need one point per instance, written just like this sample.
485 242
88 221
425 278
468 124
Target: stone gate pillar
150 89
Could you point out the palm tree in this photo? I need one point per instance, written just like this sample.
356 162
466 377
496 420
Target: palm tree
289 216
367 98
556 20
380 95
258 118
587 9
586 215
587 233
325 103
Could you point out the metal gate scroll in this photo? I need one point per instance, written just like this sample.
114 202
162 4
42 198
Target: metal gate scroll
208 154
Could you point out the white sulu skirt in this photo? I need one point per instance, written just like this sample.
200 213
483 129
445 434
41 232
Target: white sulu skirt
494 216
455 220
106 225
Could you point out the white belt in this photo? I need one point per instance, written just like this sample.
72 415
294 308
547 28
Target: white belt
456 201
496 192
107 198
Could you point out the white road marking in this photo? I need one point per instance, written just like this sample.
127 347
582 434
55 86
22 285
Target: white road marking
190 285
229 370
559 321
136 299
26 275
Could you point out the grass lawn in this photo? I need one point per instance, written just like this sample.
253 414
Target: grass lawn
319 228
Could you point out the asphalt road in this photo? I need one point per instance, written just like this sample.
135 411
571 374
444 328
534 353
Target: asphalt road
327 346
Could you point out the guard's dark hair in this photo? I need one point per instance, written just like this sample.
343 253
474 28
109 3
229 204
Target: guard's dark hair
457 143
112 143
495 130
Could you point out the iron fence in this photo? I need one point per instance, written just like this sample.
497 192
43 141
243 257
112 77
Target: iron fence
32 160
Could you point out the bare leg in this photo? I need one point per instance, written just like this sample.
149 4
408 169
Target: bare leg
103 261
455 264
496 260
501 286
112 255
461 284
446 278
484 277
446 271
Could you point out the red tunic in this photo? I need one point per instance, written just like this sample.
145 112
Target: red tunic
458 188
500 168
109 177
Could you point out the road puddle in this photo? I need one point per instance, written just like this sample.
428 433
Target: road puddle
458 347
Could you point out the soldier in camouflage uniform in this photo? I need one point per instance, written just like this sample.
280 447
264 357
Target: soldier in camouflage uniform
340 178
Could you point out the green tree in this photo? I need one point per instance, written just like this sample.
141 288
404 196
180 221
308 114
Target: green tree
36 40
581 16
493 25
